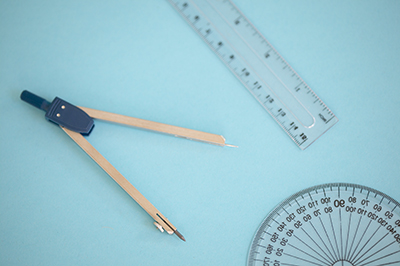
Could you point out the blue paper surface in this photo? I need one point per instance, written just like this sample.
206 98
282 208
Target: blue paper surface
140 58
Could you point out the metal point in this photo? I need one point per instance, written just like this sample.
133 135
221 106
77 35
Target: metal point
179 235
230 145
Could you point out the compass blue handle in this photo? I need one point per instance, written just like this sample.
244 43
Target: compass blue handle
61 113
35 100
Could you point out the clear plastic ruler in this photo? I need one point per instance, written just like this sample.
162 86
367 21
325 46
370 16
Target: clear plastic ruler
334 224
261 69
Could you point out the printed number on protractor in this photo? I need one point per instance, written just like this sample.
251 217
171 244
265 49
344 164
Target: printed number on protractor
334 225
260 68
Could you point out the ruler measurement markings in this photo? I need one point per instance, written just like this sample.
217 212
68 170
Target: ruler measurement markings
285 117
278 57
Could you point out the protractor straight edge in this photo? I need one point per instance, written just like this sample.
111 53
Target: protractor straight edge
335 224
259 67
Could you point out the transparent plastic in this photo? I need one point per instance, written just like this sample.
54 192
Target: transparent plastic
261 69
334 224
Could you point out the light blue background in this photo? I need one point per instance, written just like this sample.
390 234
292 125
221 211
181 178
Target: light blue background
140 58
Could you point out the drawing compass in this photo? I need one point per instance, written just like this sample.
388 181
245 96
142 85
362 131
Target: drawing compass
78 122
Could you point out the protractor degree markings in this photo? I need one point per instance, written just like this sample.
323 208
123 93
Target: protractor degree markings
327 258
289 264
382 257
297 202
380 203
348 233
341 232
389 263
275 221
309 194
303 259
330 256
261 246
329 239
366 243
307 253
323 189
285 211
354 238
334 234
359 241
374 245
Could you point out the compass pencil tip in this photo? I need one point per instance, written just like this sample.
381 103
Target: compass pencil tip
179 235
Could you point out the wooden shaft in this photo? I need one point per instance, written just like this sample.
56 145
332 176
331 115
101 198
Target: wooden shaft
121 180
155 126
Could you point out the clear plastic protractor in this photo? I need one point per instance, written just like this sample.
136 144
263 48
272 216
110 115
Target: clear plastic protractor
335 224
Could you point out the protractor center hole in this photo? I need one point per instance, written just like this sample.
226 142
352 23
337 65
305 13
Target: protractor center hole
342 263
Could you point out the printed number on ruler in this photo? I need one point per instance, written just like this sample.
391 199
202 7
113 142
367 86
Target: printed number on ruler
260 68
